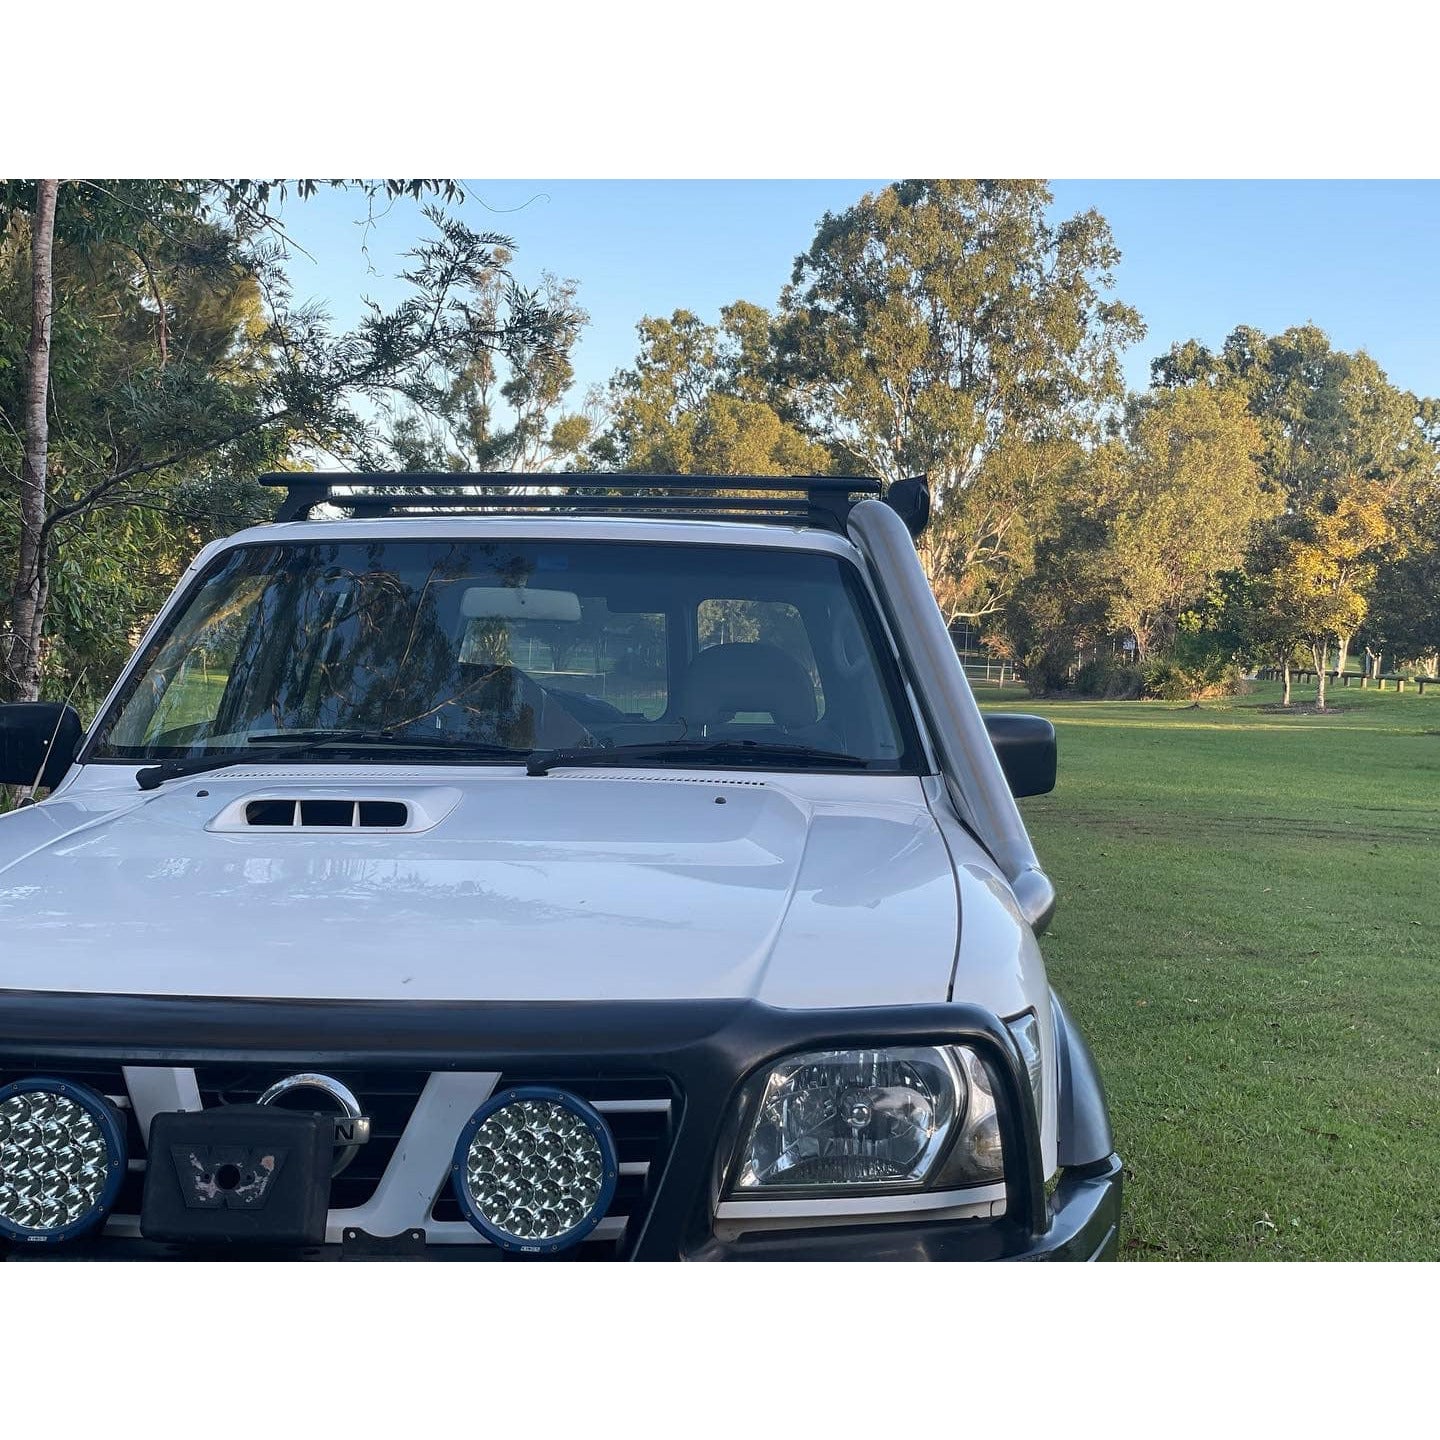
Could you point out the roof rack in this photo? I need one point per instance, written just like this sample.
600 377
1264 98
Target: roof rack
819 500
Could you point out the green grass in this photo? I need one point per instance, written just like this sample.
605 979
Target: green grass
1249 936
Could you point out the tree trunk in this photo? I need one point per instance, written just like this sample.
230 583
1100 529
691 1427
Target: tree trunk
1342 657
1320 654
1286 677
31 589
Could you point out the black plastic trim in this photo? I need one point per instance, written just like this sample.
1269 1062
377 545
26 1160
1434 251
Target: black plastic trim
1084 1133
38 742
1025 746
1085 1228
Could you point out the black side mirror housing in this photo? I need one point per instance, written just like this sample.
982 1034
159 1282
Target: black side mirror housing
38 738
910 500
1025 745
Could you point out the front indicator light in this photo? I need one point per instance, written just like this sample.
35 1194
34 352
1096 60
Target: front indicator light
62 1159
1025 1031
979 1154
535 1170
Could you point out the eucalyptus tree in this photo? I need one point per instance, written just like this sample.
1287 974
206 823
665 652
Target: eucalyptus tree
173 359
21 658
1178 496
1325 570
471 405
1337 438
1326 416
702 399
1404 614
953 328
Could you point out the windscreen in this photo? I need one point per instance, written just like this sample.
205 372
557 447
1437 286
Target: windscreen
521 645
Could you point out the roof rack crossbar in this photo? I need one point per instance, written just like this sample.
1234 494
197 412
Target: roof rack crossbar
411 500
822 500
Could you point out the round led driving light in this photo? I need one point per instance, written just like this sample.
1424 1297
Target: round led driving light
535 1169
62 1158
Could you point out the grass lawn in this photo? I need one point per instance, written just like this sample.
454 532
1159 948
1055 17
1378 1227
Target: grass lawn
1249 935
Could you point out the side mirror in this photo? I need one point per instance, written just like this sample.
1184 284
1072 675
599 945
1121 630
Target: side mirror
37 738
910 500
1025 745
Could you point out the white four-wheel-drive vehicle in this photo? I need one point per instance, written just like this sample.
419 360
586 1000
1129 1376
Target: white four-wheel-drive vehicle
623 872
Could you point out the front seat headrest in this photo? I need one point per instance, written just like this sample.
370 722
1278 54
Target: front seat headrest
727 680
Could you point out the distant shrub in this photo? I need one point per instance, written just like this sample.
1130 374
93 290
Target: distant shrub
1179 675
1046 672
1191 668
1103 679
1167 677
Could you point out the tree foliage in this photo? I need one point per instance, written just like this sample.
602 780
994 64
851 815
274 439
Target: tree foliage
1348 456
1178 496
949 328
700 400
1271 498
472 404
180 361
1404 615
1325 567
1325 416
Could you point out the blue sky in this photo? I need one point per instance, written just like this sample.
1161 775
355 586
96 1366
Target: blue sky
1358 258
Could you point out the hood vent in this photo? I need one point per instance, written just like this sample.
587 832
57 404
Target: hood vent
333 810
329 814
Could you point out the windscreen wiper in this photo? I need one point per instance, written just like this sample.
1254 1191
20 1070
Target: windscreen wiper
395 739
298 744
723 752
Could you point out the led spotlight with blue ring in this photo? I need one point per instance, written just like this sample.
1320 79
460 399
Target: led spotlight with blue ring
535 1169
62 1160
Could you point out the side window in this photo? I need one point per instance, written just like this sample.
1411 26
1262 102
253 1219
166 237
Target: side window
188 700
765 622
188 678
615 656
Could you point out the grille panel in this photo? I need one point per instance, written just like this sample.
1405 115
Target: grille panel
386 1096
641 1113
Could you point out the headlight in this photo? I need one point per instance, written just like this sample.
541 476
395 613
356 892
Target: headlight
877 1119
535 1169
62 1158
